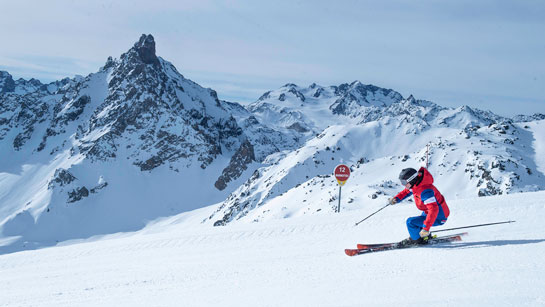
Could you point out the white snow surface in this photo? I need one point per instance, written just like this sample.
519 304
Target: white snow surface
178 261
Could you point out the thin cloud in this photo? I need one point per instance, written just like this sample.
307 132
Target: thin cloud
443 51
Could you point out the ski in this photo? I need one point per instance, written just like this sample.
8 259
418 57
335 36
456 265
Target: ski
369 248
375 245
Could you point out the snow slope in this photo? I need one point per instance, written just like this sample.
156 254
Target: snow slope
178 261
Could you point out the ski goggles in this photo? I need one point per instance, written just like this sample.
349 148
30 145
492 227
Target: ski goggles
408 180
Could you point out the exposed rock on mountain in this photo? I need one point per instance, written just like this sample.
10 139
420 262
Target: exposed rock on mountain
239 163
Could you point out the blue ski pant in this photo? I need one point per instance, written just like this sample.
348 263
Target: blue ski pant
416 223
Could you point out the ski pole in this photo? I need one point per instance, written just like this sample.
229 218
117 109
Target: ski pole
480 225
371 215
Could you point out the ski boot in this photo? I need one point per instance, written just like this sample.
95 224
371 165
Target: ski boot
422 240
425 240
407 242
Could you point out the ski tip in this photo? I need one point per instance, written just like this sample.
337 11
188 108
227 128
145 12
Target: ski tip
362 246
457 238
351 252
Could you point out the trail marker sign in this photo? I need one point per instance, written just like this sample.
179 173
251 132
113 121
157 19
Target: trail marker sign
342 173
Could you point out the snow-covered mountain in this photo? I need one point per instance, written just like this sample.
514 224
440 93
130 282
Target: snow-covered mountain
113 150
137 140
473 152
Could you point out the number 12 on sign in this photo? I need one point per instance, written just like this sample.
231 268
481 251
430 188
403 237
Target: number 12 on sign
342 173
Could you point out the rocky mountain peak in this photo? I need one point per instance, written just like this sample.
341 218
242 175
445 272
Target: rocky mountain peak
6 82
143 51
4 75
146 49
19 86
528 118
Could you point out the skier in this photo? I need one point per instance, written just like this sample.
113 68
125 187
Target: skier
427 198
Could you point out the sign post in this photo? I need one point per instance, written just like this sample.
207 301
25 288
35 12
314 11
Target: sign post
342 173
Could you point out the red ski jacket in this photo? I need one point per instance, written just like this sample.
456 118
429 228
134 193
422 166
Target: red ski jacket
427 198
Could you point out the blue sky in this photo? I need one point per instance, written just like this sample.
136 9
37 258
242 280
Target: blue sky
485 54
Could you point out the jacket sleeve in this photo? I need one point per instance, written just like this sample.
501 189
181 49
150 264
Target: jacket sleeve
428 198
403 194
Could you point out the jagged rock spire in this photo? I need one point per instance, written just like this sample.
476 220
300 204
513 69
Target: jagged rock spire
145 47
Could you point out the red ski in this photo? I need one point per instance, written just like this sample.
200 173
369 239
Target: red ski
369 248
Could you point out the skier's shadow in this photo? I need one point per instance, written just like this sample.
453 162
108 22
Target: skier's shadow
488 243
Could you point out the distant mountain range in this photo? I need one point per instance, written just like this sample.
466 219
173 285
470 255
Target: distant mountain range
136 140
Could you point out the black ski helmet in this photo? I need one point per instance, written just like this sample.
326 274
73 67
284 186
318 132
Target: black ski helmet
408 175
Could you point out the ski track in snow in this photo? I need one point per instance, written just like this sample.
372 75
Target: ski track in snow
293 262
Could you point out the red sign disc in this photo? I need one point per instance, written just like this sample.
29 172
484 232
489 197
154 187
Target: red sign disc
342 173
